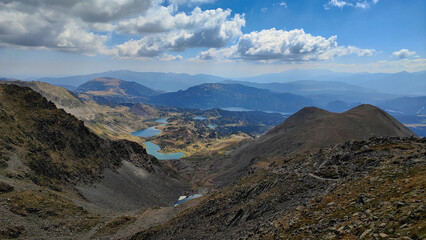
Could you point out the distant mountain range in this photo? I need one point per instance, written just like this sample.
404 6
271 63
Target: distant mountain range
402 83
168 82
401 106
296 75
218 95
323 92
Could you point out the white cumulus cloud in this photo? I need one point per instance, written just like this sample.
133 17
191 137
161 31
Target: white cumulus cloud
288 46
403 53
210 28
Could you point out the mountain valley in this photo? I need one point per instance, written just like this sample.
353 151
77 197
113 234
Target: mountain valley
267 174
212 120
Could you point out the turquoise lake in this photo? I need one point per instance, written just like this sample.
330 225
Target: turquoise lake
153 148
152 131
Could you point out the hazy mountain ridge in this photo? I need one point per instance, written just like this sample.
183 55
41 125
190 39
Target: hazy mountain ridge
232 95
323 92
406 105
402 83
115 91
156 80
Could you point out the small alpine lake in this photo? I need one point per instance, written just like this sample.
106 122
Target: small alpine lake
153 148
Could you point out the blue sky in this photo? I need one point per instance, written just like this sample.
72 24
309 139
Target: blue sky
230 38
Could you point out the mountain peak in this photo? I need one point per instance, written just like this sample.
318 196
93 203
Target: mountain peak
310 111
312 128
364 107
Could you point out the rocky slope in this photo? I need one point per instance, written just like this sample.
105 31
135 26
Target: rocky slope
356 190
311 128
45 153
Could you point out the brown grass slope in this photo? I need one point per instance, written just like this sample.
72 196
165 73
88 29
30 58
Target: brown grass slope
312 128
